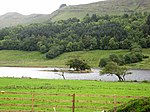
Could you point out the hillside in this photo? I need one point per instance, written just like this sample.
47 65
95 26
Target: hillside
14 18
110 7
91 33
36 59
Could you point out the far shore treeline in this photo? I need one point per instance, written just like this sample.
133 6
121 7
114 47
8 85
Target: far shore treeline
91 33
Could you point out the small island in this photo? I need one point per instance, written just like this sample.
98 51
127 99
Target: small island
76 66
69 71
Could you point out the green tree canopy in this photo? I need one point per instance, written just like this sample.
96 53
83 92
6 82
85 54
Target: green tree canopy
91 33
113 68
77 64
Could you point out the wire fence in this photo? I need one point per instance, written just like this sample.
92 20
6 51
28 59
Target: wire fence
43 102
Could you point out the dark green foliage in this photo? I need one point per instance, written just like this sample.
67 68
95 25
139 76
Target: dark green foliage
144 56
78 64
146 27
117 59
127 58
134 56
29 44
76 46
113 68
114 58
43 49
143 42
87 18
10 44
103 62
148 41
135 48
137 105
54 51
113 44
126 44
91 33
148 20
125 15
94 18
89 42
139 56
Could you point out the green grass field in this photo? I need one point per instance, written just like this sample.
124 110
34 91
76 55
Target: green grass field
36 59
70 87
75 86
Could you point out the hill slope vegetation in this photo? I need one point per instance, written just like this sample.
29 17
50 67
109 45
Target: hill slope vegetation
109 7
36 59
91 33
14 18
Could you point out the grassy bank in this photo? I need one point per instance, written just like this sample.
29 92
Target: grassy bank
22 58
75 86
71 87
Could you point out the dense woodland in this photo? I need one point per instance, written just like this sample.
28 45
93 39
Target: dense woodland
91 33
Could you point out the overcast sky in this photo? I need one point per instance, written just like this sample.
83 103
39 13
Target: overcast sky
36 6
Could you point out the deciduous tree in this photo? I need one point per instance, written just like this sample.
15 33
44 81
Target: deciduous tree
113 68
77 64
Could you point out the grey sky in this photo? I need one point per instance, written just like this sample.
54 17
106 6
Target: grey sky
36 6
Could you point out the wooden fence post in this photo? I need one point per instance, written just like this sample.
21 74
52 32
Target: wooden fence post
115 103
32 102
73 103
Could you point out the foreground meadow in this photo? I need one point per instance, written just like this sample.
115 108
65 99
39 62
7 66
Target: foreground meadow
77 87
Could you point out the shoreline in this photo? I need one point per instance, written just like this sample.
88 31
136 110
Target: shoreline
130 68
69 71
127 81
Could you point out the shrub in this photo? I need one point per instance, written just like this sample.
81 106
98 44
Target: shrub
78 64
103 62
145 56
137 105
43 49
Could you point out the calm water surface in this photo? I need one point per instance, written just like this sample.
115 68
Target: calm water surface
19 72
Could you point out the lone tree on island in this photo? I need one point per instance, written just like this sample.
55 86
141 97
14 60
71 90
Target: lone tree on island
113 68
78 65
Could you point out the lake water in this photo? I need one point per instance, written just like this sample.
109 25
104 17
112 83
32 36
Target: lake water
19 72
